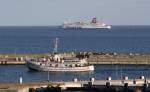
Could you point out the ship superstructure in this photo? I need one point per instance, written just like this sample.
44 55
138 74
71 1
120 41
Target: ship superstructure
80 24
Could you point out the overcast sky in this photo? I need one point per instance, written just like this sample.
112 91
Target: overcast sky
54 12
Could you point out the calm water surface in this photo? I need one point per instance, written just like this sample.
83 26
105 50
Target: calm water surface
11 73
40 40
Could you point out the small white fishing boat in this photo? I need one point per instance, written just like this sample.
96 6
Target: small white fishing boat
55 63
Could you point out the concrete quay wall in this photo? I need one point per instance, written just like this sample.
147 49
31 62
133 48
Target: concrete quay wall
24 87
120 59
99 84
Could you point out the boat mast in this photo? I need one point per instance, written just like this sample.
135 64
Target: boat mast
55 45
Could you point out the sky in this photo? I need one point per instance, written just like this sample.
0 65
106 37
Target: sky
55 12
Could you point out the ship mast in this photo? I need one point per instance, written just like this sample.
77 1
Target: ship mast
55 45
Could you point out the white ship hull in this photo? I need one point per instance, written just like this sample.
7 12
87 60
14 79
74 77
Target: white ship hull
94 24
37 67
86 27
97 27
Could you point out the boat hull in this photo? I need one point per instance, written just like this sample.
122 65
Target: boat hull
86 27
33 66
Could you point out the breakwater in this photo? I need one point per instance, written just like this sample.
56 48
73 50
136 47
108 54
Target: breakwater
120 59
17 59
92 58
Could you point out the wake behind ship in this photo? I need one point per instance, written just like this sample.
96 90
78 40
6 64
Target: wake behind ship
94 24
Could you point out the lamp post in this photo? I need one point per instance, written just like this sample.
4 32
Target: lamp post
48 75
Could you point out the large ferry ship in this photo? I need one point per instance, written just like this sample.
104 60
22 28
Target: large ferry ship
94 24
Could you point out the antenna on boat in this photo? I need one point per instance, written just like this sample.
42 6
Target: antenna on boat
55 45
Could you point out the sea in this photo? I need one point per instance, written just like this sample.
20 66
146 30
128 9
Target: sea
40 39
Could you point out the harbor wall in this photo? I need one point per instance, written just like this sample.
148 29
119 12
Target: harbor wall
109 84
127 59
120 59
